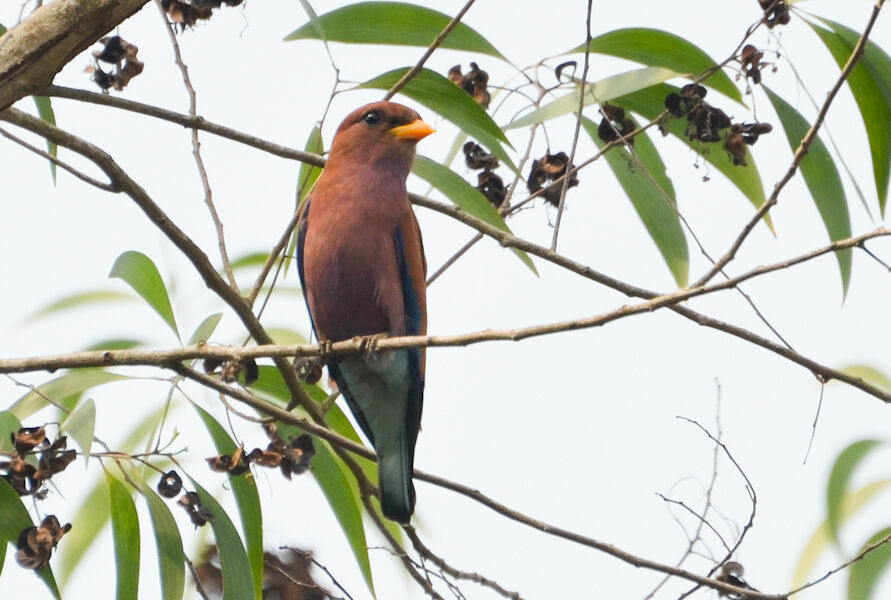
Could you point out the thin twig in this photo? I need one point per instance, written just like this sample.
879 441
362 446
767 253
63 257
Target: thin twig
427 554
196 147
40 152
433 46
578 128
800 152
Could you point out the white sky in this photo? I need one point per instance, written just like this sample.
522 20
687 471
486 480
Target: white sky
578 429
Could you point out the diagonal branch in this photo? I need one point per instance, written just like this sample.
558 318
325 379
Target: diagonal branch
800 152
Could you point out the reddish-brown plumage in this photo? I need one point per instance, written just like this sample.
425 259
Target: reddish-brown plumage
363 271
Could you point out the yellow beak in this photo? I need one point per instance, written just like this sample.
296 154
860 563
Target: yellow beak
416 130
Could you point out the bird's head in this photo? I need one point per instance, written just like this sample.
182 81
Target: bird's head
382 134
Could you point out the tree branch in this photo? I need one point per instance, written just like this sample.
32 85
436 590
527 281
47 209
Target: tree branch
37 48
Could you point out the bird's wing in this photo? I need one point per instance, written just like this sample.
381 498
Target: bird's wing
412 269
302 225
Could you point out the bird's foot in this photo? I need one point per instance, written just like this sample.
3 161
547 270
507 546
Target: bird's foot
368 345
324 351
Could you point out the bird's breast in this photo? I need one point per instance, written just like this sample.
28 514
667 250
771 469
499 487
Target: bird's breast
352 275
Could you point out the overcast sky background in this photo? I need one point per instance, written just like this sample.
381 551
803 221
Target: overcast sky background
579 429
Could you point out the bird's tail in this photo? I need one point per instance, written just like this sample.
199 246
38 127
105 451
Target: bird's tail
394 479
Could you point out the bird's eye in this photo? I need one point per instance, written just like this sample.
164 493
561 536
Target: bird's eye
372 117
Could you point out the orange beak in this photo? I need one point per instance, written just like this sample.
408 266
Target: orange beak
416 130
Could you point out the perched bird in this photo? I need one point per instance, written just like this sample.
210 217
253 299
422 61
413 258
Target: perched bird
362 267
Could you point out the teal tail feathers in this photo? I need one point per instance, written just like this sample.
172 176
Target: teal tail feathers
394 479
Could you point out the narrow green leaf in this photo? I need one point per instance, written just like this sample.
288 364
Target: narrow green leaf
839 476
171 563
244 488
246 261
306 181
820 542
61 387
822 179
125 530
870 83
865 574
81 299
2 29
13 519
237 581
138 271
342 494
392 23
657 48
465 196
604 90
46 113
652 196
95 512
314 19
115 344
445 98
870 374
650 102
9 423
308 174
205 329
286 335
80 425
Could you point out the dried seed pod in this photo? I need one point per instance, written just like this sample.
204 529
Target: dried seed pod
170 485
308 369
476 157
492 187
614 124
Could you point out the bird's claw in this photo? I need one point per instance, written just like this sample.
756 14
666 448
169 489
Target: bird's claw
324 350
368 345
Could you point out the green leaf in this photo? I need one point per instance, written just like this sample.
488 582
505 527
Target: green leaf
205 329
342 493
8 424
286 336
169 543
839 476
125 530
819 541
81 299
115 344
392 23
94 512
138 270
870 83
865 574
80 425
822 180
657 48
445 98
244 487
308 174
650 102
13 519
652 195
46 113
600 91
465 196
237 581
69 384
306 181
253 259
314 19
869 374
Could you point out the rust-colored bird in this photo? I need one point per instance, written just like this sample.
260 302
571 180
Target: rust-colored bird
361 264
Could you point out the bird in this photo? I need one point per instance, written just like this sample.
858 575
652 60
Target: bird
361 264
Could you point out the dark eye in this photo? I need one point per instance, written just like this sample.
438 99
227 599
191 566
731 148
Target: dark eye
372 117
